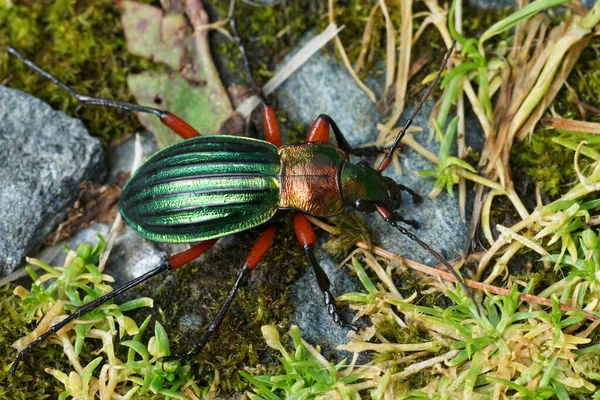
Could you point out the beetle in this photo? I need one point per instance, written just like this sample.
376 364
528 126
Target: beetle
206 187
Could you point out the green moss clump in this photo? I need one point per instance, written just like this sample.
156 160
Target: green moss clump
81 42
351 228
544 161
30 380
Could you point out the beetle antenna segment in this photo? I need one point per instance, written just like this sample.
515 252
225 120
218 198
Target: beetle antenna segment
388 157
238 41
94 101
87 308
391 219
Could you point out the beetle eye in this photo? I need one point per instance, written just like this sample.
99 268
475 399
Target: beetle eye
365 206
363 163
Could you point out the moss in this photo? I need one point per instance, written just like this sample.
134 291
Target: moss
79 41
269 33
30 381
352 228
545 162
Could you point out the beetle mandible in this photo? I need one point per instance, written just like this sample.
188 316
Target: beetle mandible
206 187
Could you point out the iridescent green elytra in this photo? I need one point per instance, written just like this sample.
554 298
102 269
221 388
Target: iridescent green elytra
211 186
202 188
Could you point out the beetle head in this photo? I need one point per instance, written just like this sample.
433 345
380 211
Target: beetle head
364 188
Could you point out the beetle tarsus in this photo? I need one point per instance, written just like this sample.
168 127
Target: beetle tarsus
416 197
332 310
182 360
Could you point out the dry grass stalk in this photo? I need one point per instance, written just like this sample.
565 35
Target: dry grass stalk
447 276
310 48
345 60
366 39
572 125
403 66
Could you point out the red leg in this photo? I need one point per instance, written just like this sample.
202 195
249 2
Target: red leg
319 131
255 256
258 251
306 236
180 259
178 125
270 123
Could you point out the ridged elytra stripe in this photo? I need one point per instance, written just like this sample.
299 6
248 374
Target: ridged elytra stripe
198 199
192 160
198 176
214 222
202 184
203 188
225 144
197 214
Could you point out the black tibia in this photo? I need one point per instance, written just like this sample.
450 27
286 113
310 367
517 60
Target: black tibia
369 151
238 40
324 286
216 322
416 197
342 143
87 308
94 101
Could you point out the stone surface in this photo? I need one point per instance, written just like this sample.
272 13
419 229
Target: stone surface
121 157
324 86
131 255
44 155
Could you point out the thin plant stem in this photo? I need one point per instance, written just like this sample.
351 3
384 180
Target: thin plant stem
449 277
345 60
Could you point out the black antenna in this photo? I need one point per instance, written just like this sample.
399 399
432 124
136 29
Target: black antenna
437 255
388 157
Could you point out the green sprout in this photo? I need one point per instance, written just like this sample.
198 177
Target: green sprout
446 173
307 374
511 350
129 367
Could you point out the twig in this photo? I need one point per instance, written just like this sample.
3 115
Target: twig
572 125
446 276
346 61
310 48
366 39
117 225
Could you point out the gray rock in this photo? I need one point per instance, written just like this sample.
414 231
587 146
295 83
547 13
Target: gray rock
44 156
324 86
121 157
133 256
